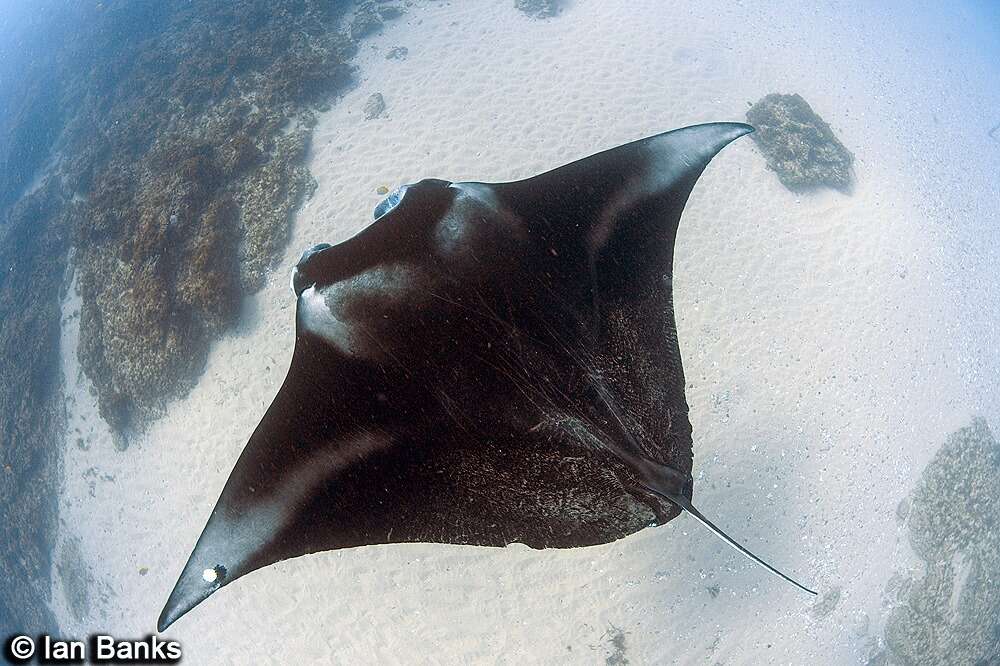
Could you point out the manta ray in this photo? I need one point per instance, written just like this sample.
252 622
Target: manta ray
483 364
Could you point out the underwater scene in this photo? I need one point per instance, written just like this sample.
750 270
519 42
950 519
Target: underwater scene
500 331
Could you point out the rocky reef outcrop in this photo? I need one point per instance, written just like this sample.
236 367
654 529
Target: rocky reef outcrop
798 145
190 165
28 127
370 16
187 150
33 255
950 613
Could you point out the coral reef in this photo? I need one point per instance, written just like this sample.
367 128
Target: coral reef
33 257
951 614
798 145
27 133
370 16
31 90
540 9
366 21
188 149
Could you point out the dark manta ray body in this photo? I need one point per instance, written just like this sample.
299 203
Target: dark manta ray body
484 364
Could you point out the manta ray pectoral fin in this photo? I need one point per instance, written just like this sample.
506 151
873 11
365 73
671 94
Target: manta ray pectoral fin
625 202
266 510
664 164
684 503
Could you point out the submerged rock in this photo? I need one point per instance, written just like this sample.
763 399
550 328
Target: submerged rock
827 604
951 614
374 107
389 12
540 9
397 53
367 21
369 18
798 145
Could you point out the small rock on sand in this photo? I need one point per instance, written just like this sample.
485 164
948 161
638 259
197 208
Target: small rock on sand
798 145
397 53
540 9
374 107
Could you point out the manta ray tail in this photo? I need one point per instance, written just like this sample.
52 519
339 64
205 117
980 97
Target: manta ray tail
671 483
684 503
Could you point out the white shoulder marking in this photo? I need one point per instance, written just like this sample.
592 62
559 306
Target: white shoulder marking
315 317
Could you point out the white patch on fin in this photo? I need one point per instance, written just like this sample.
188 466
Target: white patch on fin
316 318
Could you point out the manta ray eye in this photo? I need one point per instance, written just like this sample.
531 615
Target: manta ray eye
214 574
390 202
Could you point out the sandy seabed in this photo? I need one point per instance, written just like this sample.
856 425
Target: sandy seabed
819 336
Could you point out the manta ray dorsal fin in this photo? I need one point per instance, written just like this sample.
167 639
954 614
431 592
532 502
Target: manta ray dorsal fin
685 504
